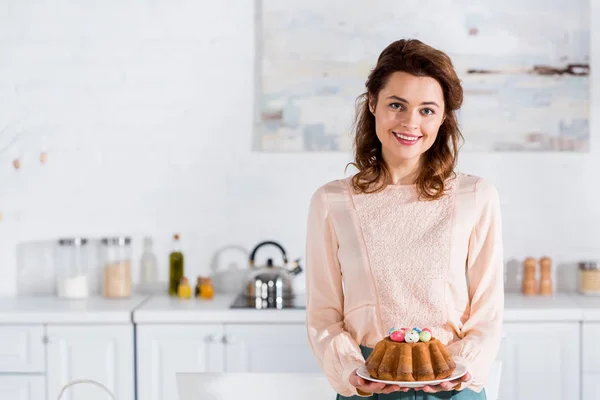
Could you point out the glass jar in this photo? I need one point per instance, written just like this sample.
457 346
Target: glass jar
116 266
71 268
589 278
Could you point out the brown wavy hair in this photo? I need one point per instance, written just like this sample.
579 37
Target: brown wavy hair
439 162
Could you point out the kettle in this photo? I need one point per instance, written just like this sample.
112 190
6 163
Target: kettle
271 282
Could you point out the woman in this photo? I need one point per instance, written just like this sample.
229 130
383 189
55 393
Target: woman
406 241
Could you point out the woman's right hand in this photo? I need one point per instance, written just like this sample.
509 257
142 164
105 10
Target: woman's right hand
368 387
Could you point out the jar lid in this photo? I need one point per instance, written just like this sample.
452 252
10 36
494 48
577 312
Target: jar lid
117 240
589 265
72 241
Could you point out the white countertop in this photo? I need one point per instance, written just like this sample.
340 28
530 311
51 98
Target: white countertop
590 307
159 309
561 307
164 309
55 310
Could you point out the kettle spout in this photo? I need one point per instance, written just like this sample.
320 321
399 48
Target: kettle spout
297 268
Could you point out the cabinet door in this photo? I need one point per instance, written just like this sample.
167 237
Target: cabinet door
591 361
165 350
22 387
589 346
104 354
541 361
22 348
268 348
590 387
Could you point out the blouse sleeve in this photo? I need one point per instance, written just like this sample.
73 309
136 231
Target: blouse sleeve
482 332
336 351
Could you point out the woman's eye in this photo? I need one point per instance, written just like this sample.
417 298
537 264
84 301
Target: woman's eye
427 111
396 106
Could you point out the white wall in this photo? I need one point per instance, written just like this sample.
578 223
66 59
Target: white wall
147 108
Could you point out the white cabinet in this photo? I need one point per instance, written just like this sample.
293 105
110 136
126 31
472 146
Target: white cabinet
22 362
541 361
164 350
268 348
590 351
590 363
22 348
28 387
102 353
590 387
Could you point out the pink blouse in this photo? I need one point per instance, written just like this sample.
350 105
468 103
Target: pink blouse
382 260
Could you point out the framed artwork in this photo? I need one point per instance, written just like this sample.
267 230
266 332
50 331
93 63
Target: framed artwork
524 65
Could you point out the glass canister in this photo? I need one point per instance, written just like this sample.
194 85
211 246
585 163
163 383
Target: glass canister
116 266
71 268
589 278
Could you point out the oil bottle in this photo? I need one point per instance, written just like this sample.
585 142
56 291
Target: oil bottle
176 266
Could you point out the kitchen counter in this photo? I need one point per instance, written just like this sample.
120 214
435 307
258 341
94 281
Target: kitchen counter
164 309
158 309
55 310
590 307
562 307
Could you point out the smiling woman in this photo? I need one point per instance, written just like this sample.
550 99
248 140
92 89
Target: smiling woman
411 98
407 128
406 242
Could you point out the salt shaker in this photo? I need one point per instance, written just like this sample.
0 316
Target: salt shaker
529 282
545 276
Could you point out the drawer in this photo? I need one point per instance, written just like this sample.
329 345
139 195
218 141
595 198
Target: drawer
590 350
22 349
26 387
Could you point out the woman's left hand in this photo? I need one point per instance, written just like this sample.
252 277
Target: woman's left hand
445 386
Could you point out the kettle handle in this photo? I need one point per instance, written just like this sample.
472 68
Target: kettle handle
253 254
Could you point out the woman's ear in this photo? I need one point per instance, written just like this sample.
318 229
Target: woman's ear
371 105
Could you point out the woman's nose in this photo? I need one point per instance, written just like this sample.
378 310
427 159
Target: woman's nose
410 122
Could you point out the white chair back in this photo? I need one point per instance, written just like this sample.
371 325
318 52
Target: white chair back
253 386
492 388
289 386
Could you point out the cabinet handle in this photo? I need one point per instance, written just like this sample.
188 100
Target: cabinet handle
212 338
228 339
49 339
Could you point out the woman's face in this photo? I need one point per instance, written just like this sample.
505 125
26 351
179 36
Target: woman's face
408 114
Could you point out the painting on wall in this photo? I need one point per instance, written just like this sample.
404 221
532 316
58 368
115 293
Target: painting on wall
524 65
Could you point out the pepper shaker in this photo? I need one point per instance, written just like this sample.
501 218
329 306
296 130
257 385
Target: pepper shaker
545 276
529 285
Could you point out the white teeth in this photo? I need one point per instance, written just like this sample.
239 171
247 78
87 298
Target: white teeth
411 138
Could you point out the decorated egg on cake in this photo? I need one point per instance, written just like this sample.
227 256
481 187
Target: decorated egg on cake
397 336
417 329
392 330
426 330
411 337
425 336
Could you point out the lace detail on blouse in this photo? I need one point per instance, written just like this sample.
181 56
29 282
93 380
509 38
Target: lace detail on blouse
408 244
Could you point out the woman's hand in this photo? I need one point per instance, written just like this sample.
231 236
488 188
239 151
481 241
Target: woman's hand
445 386
367 387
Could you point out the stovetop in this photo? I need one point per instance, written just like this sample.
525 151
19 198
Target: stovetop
242 301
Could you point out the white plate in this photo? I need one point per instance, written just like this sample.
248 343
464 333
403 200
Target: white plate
459 371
